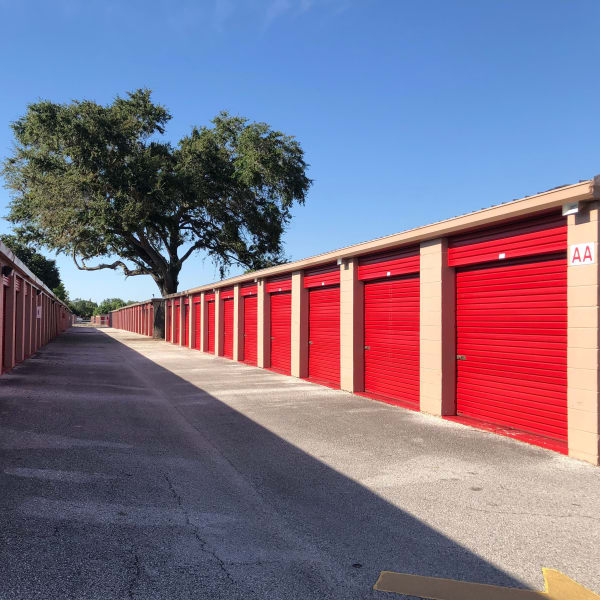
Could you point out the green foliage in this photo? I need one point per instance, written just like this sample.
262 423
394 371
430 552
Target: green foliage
83 308
95 181
110 304
43 268
61 293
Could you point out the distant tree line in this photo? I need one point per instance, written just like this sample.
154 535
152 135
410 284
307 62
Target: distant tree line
86 308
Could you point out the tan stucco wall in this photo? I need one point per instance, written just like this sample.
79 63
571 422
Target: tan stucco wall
582 353
351 328
437 323
299 324
263 337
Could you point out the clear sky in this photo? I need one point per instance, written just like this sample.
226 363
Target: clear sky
408 111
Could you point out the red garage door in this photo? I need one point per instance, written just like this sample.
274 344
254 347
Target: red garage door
177 323
511 325
281 332
512 345
324 335
186 329
228 328
391 315
210 325
198 325
250 325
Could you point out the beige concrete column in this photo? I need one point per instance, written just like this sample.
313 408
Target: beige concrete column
238 321
218 324
438 337
582 340
299 338
263 325
9 322
351 328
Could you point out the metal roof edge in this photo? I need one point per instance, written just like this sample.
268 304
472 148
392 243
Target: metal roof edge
21 266
588 189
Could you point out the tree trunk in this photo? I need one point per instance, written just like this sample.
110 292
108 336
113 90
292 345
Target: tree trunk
168 282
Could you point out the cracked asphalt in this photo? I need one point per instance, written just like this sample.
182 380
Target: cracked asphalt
134 469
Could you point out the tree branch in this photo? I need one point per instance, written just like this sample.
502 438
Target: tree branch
118 263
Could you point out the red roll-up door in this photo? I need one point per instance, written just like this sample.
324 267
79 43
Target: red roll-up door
391 354
210 325
186 326
250 325
512 344
198 325
281 332
324 335
228 328
177 323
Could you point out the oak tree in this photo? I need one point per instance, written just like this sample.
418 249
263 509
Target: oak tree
99 182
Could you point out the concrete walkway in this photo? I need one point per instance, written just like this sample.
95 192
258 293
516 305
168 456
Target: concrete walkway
131 468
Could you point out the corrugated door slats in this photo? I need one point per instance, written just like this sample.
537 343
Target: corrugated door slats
228 328
539 235
279 284
324 335
281 332
322 276
250 325
389 264
177 323
186 330
210 325
512 332
248 289
198 325
391 313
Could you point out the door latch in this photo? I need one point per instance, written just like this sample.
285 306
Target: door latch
461 357
367 347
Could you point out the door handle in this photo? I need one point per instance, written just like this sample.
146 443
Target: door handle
367 347
461 357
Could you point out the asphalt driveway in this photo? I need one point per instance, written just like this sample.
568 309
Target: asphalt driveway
132 468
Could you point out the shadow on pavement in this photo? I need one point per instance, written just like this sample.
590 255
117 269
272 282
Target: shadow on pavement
311 525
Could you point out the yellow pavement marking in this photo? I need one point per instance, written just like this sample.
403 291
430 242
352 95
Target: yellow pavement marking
558 587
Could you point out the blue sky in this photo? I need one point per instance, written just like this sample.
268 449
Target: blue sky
408 111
